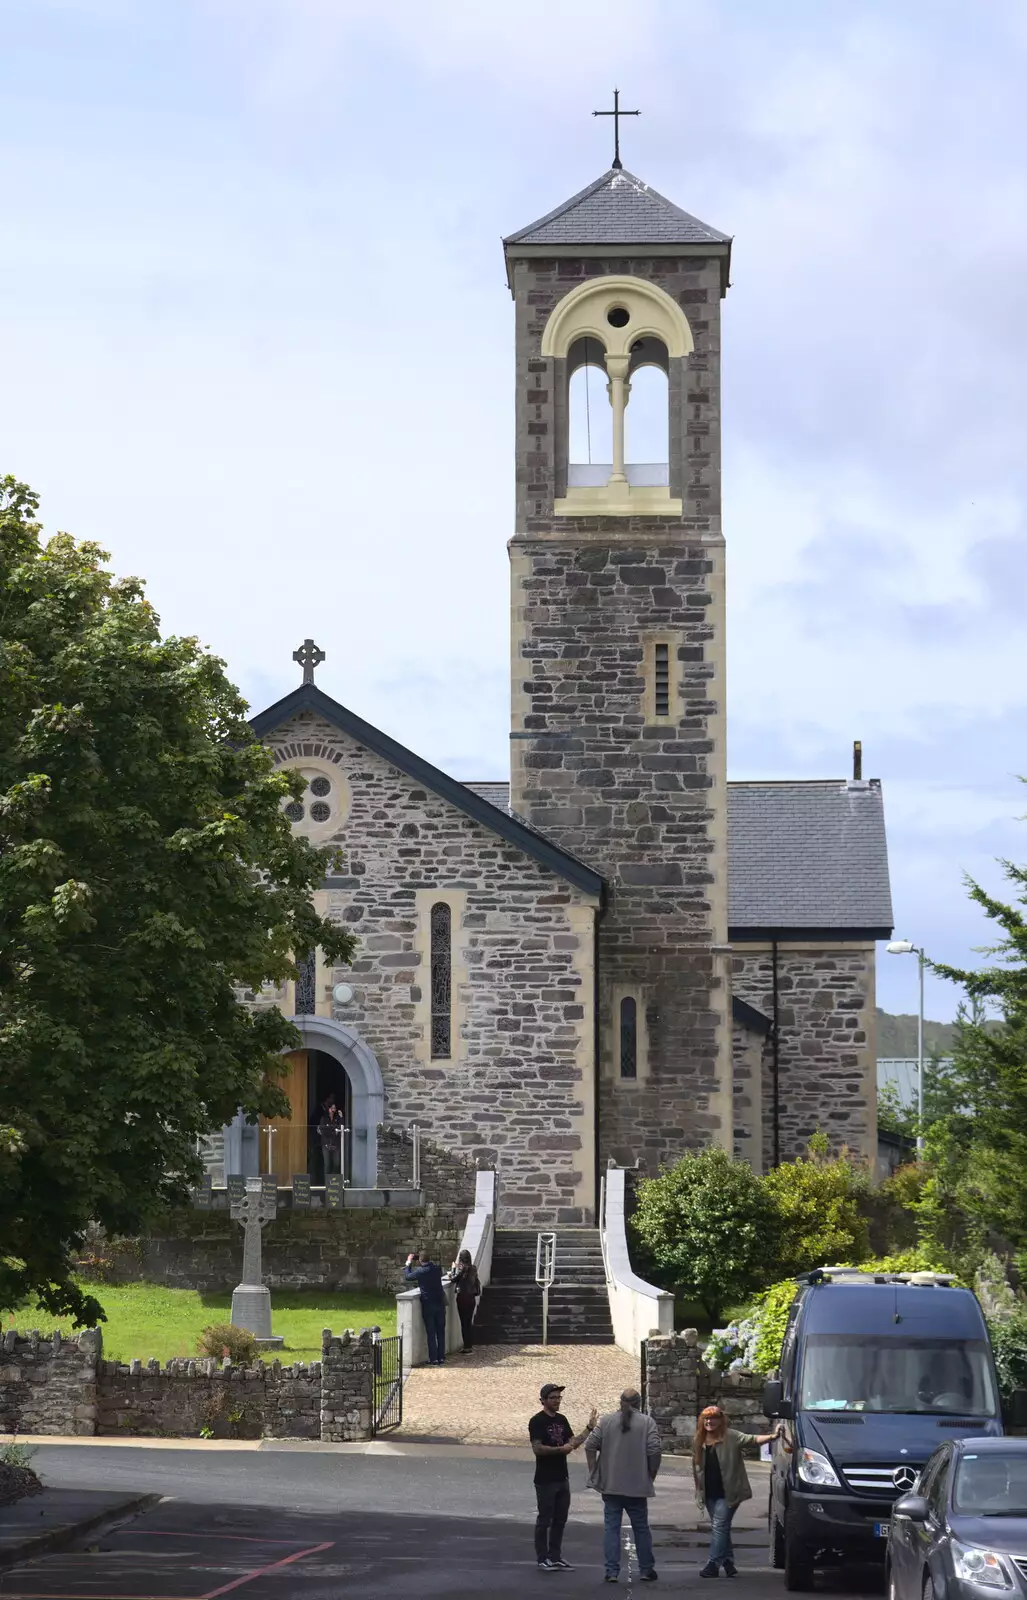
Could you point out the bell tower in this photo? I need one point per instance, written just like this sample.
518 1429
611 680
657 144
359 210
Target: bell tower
618 695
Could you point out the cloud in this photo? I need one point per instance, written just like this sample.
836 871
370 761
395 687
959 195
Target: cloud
254 301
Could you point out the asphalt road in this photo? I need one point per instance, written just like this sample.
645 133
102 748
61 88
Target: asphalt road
299 1526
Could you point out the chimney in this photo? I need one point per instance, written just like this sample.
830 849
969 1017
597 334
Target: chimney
857 760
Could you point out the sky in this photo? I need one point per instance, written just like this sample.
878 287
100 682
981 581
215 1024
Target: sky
257 342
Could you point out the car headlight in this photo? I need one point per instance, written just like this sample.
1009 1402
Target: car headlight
815 1468
975 1565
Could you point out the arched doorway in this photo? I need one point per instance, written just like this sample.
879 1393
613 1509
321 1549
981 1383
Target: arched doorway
339 1061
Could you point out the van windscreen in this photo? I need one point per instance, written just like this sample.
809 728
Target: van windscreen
855 1372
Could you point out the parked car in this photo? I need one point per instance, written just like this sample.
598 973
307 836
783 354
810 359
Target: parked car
875 1371
963 1534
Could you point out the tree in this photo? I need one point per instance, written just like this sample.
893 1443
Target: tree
709 1226
977 1138
148 877
819 1205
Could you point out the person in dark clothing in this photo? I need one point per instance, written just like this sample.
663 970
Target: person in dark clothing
329 1131
552 1440
464 1277
427 1276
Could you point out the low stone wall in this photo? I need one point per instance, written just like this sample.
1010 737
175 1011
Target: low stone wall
64 1386
48 1385
678 1386
358 1249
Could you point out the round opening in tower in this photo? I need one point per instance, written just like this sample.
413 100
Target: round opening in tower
618 317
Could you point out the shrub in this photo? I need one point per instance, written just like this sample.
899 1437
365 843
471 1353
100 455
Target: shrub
709 1226
1009 1342
224 1339
818 1199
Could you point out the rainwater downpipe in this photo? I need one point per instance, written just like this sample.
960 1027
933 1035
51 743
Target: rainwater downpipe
775 1061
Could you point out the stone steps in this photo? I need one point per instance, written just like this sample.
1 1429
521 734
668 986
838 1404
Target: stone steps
510 1311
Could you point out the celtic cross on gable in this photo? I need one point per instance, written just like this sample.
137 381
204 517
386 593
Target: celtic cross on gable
309 655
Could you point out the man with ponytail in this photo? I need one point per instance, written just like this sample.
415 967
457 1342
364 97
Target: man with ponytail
721 1482
623 1455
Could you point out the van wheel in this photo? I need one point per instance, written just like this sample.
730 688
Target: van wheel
798 1565
776 1541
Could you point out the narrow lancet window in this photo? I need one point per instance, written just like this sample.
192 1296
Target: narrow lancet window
628 1038
306 985
661 680
441 981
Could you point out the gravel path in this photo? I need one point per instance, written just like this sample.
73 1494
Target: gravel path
488 1396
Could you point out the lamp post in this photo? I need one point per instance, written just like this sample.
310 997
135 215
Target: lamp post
903 947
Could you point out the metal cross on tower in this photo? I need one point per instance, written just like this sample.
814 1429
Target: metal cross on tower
616 114
309 655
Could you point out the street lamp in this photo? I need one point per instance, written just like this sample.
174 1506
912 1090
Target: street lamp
903 947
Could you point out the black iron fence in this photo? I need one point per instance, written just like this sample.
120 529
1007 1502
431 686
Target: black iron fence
388 1384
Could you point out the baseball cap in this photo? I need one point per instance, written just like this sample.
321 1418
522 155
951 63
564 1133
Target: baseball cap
550 1388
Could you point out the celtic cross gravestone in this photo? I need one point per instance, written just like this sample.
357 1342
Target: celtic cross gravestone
254 1207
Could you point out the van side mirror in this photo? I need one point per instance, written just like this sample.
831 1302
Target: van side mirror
774 1403
1015 1409
912 1506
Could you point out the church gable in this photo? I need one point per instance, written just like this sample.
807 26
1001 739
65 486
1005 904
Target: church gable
474 979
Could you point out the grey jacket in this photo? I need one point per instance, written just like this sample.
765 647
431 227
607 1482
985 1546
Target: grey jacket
627 1461
732 1468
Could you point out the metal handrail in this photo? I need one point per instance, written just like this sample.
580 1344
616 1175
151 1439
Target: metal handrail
545 1272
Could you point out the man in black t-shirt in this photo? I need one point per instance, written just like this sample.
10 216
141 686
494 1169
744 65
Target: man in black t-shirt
552 1440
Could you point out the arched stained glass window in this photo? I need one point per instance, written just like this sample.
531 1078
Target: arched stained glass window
628 1037
441 981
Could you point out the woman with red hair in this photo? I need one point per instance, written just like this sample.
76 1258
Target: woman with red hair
721 1482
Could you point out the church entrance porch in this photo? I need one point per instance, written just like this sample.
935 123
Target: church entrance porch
333 1061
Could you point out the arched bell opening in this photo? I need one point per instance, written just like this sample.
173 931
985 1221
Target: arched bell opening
590 417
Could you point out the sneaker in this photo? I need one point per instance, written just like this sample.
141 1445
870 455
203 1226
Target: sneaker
547 1566
649 1577
612 1577
560 1564
730 1570
710 1570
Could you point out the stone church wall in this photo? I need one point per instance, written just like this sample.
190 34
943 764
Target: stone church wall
749 1050
827 1044
516 1092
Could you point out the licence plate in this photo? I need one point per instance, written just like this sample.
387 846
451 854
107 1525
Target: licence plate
881 1530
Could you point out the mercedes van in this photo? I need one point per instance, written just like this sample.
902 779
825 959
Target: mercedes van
876 1372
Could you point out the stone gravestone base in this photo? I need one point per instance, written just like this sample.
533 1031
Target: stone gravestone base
251 1309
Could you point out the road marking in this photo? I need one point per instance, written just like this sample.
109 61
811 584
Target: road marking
260 1572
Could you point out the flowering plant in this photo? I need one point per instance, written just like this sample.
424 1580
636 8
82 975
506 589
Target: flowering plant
732 1349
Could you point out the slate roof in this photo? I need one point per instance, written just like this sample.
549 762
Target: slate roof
308 697
617 208
804 856
807 856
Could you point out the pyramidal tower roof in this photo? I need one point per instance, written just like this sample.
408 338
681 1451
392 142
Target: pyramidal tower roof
620 209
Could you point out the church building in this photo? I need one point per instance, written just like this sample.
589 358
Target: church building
617 955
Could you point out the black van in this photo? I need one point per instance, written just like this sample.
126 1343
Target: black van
876 1372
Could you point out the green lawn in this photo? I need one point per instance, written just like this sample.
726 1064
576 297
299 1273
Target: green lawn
145 1319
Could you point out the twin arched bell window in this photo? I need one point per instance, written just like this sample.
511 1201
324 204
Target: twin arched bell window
591 433
619 344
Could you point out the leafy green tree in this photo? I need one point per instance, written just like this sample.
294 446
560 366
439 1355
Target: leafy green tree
819 1200
148 876
709 1227
895 1115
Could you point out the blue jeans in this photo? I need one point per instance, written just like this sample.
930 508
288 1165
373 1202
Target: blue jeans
721 1517
435 1332
637 1508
